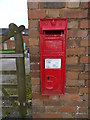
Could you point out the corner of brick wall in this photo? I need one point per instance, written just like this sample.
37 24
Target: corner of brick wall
74 104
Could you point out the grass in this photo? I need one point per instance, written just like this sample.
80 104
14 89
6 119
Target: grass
7 51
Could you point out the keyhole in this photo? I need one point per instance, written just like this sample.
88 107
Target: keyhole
48 77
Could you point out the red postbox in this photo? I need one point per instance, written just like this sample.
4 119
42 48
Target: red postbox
53 55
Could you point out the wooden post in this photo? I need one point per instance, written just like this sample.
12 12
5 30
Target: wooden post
20 65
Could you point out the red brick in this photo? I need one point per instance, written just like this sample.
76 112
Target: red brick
35 88
51 109
71 90
40 109
53 13
83 75
84 97
75 51
69 97
35 74
73 24
47 115
68 13
82 33
51 5
84 5
72 75
72 60
34 50
82 116
84 24
34 58
87 67
84 59
71 43
39 96
33 33
35 66
77 33
83 90
32 5
76 67
73 4
83 110
84 43
72 83
35 14
67 109
37 102
34 42
49 102
35 81
33 24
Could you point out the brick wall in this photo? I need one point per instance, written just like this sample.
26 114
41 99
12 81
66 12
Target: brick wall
74 104
11 43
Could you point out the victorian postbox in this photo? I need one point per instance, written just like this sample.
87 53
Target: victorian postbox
53 55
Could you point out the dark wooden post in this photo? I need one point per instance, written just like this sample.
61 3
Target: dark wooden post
20 65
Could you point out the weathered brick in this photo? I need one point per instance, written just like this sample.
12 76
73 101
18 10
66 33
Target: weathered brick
84 43
40 109
36 102
76 51
84 59
84 97
84 24
33 24
35 14
35 88
72 75
87 67
35 74
81 116
67 115
88 50
76 68
34 50
51 109
32 5
35 66
83 75
72 83
71 4
84 5
68 13
67 109
71 90
34 42
51 115
33 33
39 96
49 102
53 13
69 97
35 81
77 33
82 33
83 110
72 60
73 24
72 43
83 90
34 58
51 5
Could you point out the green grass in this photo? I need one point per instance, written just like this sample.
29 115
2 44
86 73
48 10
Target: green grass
7 51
